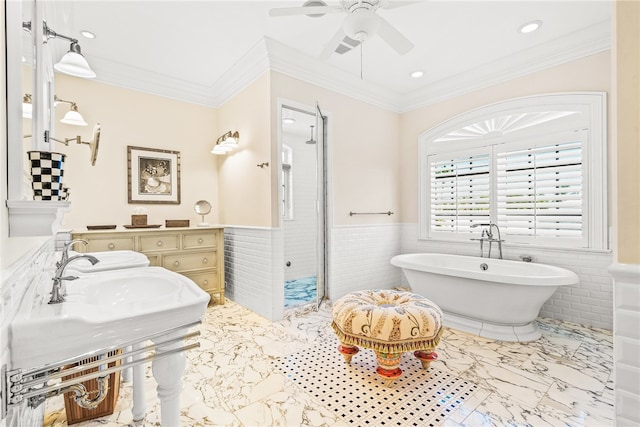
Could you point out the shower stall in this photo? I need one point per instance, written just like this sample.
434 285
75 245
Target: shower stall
302 207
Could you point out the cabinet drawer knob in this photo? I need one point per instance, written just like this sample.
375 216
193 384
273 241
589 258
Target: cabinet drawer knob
205 282
159 243
204 260
200 240
111 246
176 263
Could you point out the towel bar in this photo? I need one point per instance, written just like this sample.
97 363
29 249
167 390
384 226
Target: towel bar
371 213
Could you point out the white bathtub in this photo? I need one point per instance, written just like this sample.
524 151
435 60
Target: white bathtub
500 302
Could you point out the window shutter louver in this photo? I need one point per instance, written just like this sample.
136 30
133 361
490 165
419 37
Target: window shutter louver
539 191
460 193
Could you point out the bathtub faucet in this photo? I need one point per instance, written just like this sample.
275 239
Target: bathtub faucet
488 236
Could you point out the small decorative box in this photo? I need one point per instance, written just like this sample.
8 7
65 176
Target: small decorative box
138 220
176 223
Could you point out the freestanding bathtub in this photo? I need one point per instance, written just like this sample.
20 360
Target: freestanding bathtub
492 298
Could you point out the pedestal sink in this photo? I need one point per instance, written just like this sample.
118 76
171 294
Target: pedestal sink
112 260
106 309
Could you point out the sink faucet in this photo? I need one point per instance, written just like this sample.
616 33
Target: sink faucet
58 291
487 236
65 251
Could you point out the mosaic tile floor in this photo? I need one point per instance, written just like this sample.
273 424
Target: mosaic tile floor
299 291
240 377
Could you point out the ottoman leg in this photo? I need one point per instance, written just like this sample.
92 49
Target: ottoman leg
348 351
388 366
426 357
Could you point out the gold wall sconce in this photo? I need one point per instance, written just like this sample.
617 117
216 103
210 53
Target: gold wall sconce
72 117
226 143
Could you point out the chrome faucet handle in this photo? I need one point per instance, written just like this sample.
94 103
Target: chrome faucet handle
67 278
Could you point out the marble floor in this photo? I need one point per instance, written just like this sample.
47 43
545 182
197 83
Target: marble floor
253 372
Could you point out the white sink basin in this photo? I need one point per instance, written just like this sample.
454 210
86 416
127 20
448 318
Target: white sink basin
113 260
101 310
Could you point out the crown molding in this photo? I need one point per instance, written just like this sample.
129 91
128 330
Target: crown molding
586 42
269 54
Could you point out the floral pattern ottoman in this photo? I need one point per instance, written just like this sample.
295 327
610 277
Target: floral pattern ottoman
390 323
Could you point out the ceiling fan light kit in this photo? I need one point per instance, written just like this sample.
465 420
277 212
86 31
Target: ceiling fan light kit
361 23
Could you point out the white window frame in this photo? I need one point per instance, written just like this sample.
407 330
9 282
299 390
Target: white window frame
579 111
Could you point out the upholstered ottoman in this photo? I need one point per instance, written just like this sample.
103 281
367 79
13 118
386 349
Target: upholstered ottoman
390 323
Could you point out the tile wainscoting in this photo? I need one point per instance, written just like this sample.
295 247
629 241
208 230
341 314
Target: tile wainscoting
358 259
589 303
626 343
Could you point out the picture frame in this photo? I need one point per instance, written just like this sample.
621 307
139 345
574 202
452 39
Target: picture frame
153 175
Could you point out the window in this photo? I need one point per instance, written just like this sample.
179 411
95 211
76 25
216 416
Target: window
539 175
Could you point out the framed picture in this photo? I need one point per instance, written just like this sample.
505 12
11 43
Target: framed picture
153 175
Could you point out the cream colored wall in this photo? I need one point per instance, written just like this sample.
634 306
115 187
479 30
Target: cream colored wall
591 73
245 189
99 193
628 131
364 149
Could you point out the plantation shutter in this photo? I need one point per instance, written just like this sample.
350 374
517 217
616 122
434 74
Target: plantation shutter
460 192
539 191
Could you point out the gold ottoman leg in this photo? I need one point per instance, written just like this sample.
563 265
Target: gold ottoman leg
348 351
426 357
388 366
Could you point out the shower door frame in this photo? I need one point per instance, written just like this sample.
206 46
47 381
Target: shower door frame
323 186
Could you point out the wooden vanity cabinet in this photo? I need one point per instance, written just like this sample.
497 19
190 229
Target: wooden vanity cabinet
197 253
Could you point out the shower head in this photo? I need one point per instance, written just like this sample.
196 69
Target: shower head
311 140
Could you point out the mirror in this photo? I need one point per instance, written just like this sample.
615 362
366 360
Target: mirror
202 207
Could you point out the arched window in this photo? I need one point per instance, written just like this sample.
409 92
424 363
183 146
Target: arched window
534 166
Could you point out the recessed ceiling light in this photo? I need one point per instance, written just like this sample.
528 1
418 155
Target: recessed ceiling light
288 120
530 27
417 74
88 34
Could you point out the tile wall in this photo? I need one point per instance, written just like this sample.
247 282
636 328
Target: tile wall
626 343
254 276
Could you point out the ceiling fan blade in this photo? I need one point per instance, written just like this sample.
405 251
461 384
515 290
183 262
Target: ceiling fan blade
394 38
331 46
308 10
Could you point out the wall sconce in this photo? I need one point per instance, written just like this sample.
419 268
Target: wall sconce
73 62
73 117
226 143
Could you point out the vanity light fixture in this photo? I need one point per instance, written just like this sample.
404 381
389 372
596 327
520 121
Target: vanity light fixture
530 27
73 117
73 62
226 143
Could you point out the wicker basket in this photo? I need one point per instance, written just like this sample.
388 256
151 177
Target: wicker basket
75 413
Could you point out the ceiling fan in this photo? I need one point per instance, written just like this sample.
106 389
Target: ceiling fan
361 23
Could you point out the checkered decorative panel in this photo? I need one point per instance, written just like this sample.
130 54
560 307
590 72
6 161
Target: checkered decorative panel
47 173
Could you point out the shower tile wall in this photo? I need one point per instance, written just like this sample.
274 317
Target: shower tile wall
300 243
253 269
359 258
15 281
588 303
